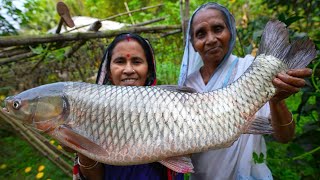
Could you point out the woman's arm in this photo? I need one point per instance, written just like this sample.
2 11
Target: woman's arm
282 121
281 118
89 168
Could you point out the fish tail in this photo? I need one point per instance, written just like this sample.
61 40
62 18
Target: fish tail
275 42
302 52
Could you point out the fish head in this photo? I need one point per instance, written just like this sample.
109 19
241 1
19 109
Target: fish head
44 107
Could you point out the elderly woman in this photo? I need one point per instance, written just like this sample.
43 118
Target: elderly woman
128 61
208 65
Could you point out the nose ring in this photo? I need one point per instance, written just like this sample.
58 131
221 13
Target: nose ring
133 71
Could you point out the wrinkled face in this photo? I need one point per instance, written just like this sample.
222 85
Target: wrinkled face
128 65
39 107
210 36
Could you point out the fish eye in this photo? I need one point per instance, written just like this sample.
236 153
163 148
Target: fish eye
16 104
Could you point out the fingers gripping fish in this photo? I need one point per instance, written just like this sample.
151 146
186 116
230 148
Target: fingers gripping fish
125 125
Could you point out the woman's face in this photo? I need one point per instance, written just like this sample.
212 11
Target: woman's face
128 66
210 36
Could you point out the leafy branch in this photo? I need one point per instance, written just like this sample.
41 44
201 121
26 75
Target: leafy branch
296 157
313 77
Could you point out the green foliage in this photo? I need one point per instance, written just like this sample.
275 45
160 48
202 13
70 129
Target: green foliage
258 159
300 157
16 155
308 9
40 16
168 58
14 13
37 50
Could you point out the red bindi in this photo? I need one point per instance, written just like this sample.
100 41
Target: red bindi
128 55
128 37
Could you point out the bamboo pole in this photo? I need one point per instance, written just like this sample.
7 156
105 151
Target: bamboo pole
17 58
74 48
129 13
47 142
25 56
31 40
171 33
69 53
43 151
94 27
150 21
29 133
118 15
31 142
13 52
186 15
40 146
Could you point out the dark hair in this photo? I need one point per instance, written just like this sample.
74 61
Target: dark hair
148 50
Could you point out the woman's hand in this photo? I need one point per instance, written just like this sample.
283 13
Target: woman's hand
289 83
281 118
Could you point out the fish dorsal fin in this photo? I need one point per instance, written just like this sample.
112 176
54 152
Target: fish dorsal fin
260 125
85 146
179 164
177 88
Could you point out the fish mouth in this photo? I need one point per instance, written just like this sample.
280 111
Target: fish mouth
5 110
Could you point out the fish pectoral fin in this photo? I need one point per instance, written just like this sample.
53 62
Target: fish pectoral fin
79 143
260 125
177 88
179 164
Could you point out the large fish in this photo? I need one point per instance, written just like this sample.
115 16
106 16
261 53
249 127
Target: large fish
133 125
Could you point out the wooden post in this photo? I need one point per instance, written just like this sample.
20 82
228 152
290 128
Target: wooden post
128 10
184 13
65 17
182 21
43 148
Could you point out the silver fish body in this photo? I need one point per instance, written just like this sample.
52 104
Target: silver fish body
146 124
135 125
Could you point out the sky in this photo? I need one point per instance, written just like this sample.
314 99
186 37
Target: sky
3 12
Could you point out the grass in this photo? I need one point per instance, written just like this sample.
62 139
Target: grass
21 161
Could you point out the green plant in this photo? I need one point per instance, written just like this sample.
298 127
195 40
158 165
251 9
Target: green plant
21 161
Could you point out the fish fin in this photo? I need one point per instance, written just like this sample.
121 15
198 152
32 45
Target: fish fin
179 164
79 143
260 125
275 42
302 52
177 88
